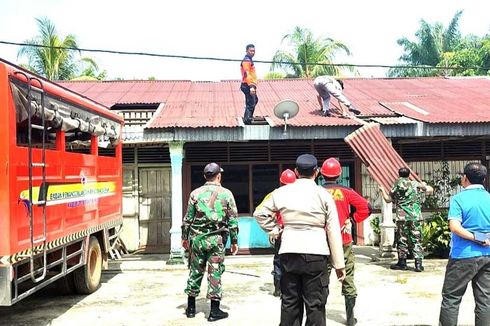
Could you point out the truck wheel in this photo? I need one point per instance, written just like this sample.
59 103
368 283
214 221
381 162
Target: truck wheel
87 277
65 285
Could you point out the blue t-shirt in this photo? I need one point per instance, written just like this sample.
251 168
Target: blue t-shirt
472 208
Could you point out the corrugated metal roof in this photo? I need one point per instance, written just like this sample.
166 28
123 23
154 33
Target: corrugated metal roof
219 104
376 152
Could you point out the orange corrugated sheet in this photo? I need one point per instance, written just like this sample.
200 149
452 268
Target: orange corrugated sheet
376 152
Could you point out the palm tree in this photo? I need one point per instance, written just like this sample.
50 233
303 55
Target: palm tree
432 42
309 56
45 58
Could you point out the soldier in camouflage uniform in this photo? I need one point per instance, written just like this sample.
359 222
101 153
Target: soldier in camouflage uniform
408 195
211 217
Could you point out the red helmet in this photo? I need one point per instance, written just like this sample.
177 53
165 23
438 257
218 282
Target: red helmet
287 177
331 168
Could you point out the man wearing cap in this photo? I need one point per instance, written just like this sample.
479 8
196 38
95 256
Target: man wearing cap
210 218
308 212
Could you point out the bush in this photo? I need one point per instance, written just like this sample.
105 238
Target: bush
374 222
436 235
435 230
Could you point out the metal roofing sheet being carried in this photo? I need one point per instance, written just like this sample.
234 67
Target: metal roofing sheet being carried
376 152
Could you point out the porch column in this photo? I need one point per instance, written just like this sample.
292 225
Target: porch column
176 157
387 235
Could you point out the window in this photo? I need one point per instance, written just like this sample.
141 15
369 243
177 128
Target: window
265 178
236 179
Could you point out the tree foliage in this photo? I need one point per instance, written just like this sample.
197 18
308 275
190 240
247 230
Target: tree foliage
437 46
305 48
53 57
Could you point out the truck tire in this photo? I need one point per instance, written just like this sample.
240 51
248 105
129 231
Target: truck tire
87 278
65 285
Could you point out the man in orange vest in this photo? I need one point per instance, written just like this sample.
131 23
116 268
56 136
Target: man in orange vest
249 84
345 198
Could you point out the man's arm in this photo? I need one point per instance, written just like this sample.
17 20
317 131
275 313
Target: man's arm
362 206
332 89
334 236
458 229
387 197
188 218
265 214
233 224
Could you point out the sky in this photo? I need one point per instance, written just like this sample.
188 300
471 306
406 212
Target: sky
222 28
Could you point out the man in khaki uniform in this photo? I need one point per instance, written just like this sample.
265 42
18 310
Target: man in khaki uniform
311 236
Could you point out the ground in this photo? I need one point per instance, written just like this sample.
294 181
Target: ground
143 290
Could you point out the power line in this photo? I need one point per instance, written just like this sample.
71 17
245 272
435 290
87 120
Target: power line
175 56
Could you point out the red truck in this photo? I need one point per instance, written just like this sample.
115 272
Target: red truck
60 186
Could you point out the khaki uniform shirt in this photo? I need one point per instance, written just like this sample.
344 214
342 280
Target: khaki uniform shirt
311 224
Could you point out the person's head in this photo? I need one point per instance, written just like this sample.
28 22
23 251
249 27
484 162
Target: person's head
341 83
474 173
306 166
212 172
331 169
404 172
287 177
250 49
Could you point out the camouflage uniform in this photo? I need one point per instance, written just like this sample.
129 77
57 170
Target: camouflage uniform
207 229
407 197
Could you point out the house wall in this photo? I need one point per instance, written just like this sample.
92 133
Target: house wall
423 156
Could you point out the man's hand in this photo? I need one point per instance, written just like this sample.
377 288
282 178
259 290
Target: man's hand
347 227
253 90
275 233
486 243
340 274
354 110
185 244
234 248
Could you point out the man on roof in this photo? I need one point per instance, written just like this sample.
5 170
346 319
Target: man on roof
249 84
327 86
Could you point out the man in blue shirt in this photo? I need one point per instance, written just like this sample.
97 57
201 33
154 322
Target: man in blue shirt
469 215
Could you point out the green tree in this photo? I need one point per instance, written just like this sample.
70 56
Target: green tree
433 40
306 49
48 61
90 70
53 57
473 59
274 75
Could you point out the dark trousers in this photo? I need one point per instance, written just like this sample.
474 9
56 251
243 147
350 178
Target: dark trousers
459 272
250 103
277 262
304 285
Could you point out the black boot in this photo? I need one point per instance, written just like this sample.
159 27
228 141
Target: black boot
350 302
190 311
418 265
401 265
216 313
277 287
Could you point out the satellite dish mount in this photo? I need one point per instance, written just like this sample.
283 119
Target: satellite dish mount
286 109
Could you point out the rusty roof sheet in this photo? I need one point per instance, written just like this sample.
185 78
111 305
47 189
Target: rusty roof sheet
376 152
189 104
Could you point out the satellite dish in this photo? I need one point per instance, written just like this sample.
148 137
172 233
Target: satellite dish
286 109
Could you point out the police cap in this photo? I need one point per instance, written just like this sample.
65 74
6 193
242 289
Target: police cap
306 162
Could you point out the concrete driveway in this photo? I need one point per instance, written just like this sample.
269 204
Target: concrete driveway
143 290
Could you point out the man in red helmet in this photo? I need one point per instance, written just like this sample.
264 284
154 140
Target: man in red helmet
287 176
345 198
